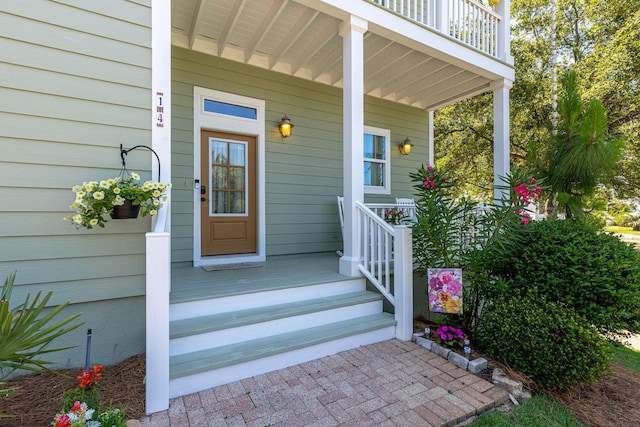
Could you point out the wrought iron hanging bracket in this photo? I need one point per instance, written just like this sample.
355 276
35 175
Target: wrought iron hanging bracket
124 152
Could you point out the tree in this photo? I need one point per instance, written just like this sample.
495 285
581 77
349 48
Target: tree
580 154
601 41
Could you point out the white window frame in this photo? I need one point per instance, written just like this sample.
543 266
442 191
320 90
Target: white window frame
386 133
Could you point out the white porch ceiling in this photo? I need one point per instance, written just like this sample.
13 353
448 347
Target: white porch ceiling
291 38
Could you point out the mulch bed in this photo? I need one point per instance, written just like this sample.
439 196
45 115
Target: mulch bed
40 395
612 402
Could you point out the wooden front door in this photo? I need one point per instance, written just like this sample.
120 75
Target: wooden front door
228 197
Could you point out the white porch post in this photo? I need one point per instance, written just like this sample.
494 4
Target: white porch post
158 248
352 31
503 8
430 136
501 150
403 282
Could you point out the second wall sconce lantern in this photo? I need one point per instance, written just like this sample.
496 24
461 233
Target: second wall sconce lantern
405 146
285 126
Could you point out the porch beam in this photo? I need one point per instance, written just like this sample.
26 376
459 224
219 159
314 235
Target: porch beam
501 129
260 34
292 37
231 24
352 31
195 22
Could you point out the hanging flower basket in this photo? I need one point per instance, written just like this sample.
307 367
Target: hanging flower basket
126 210
118 198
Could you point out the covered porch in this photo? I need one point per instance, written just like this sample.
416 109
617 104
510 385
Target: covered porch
375 61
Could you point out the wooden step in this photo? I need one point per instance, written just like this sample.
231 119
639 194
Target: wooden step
215 322
207 360
289 294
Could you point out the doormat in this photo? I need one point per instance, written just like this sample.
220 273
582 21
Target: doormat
231 266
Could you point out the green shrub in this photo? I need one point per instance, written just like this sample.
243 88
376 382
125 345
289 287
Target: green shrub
573 263
550 343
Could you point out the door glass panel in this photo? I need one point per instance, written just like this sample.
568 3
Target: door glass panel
219 178
237 202
238 155
219 152
219 202
228 177
236 179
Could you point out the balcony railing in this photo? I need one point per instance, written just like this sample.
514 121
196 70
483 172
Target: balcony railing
464 20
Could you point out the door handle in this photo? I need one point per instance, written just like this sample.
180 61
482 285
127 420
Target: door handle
202 199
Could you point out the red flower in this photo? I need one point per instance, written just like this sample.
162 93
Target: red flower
77 406
90 378
63 421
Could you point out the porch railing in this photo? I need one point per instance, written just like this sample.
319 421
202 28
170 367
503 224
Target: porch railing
464 20
385 252
158 286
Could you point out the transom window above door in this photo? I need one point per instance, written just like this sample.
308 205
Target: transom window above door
377 160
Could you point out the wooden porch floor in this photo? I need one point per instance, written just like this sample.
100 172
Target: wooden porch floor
189 283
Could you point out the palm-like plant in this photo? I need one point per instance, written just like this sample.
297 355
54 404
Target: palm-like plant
25 332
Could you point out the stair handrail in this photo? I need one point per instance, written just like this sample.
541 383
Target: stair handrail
375 249
380 249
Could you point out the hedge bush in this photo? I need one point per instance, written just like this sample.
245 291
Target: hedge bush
574 263
550 343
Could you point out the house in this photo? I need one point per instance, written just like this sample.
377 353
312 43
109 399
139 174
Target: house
206 84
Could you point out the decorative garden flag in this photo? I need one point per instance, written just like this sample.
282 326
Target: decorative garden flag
445 290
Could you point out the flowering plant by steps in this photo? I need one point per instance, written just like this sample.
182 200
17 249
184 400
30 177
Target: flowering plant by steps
450 337
82 407
395 216
96 200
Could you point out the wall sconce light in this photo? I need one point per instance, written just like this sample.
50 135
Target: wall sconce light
285 127
405 146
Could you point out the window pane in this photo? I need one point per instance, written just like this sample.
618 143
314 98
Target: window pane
237 154
237 202
374 146
230 109
219 178
374 174
236 179
219 153
219 202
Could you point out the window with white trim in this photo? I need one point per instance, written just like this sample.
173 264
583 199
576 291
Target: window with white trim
377 160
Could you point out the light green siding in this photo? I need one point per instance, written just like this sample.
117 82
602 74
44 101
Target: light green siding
303 172
76 83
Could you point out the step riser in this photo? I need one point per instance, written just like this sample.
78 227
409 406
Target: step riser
195 383
193 309
273 327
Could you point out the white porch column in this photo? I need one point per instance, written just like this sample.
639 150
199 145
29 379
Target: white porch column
430 136
158 249
503 8
352 31
501 150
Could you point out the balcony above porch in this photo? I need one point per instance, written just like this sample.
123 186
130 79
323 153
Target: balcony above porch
422 53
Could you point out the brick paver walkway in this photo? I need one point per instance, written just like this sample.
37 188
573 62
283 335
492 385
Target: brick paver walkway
393 383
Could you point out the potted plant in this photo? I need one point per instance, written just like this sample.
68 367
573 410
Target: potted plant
117 197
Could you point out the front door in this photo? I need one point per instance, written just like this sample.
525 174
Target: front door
228 194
